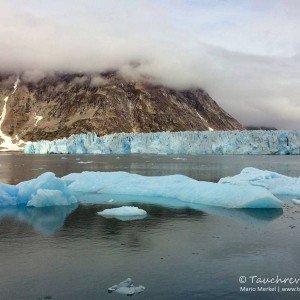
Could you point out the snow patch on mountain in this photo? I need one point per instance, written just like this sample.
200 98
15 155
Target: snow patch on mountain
7 143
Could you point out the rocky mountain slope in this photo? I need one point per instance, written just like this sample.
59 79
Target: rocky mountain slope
63 104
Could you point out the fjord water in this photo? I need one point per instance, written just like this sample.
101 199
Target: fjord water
176 253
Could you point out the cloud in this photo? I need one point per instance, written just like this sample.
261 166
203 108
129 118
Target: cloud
244 53
79 80
32 75
97 81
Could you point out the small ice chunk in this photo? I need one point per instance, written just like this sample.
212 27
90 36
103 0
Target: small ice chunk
296 201
124 213
126 287
85 162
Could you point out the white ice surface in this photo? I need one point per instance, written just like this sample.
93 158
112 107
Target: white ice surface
276 183
126 287
124 213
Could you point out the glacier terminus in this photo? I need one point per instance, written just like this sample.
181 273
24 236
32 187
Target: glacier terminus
261 142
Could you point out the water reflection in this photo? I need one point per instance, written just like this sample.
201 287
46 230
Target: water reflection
48 220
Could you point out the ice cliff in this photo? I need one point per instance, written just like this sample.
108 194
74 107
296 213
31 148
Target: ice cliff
188 142
49 190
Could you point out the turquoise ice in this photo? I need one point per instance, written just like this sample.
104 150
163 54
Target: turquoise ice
49 190
187 142
277 184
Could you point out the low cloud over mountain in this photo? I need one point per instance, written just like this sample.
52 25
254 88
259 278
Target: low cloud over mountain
244 53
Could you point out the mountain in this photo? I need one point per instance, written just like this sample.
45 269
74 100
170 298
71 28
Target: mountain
59 105
252 127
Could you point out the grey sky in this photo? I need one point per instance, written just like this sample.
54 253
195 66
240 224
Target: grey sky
246 54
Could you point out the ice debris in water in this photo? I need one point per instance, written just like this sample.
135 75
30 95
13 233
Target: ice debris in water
124 213
186 142
276 183
126 287
48 190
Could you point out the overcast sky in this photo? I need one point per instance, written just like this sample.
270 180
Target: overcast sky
246 54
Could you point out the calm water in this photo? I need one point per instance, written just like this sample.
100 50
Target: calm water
183 253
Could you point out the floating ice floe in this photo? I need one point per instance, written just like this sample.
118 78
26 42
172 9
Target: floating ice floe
126 287
48 190
277 184
178 187
124 213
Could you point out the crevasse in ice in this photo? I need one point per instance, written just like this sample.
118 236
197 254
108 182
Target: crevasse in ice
187 142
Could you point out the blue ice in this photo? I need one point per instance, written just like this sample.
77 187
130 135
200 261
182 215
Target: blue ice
49 190
187 142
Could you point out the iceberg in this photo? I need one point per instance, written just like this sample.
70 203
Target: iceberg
124 213
177 187
49 190
277 184
46 190
186 142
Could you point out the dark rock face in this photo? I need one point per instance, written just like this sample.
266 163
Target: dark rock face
260 128
64 104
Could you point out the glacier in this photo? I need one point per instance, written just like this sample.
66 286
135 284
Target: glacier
277 184
186 142
89 187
